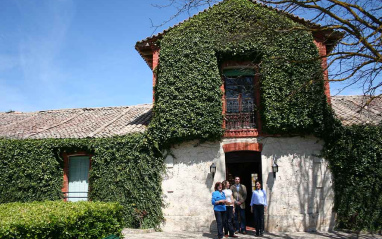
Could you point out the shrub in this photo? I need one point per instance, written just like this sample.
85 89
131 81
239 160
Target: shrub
59 219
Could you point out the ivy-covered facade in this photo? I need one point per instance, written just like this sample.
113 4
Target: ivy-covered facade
244 87
243 59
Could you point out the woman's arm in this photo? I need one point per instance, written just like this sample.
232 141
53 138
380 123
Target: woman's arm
215 200
265 201
265 198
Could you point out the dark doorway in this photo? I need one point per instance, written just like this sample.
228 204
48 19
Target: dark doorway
244 164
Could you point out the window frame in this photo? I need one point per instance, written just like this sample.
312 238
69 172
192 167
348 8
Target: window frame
66 156
240 133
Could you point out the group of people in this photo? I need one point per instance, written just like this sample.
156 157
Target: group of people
229 205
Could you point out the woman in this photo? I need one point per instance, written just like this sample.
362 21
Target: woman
219 201
258 205
228 225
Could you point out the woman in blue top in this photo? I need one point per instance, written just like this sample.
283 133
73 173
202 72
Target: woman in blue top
219 200
258 205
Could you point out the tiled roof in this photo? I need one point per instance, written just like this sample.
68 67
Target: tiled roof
112 121
349 109
76 123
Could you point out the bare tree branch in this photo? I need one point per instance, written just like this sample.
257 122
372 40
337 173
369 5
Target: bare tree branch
357 59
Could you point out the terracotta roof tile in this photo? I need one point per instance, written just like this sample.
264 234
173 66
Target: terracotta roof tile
112 121
349 110
76 123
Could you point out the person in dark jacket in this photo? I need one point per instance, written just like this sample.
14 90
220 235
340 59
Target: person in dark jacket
239 195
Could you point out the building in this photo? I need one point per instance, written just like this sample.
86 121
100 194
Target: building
300 192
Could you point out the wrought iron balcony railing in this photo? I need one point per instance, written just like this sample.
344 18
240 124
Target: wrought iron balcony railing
240 113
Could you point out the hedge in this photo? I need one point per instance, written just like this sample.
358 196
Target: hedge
59 219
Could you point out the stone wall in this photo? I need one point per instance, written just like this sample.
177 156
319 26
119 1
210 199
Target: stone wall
300 198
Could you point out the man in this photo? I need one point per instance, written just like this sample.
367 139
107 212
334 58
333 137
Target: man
239 194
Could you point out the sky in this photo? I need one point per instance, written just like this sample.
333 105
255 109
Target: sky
61 54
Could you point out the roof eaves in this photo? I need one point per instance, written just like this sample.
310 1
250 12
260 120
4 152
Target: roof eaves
149 42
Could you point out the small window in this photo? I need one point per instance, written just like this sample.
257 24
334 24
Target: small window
77 178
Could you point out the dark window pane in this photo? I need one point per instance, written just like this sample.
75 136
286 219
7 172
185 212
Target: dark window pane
240 102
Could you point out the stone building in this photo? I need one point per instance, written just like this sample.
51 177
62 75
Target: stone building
300 193
300 196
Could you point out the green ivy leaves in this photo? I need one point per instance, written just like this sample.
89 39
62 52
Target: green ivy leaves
124 169
188 96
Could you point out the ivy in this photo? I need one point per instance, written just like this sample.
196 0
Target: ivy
124 169
354 155
188 96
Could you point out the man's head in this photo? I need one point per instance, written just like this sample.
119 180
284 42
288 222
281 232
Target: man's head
237 180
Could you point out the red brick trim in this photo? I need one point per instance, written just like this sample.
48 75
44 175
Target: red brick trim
324 65
65 186
155 64
242 146
258 104
240 133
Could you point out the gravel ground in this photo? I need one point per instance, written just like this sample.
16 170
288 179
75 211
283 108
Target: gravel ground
202 235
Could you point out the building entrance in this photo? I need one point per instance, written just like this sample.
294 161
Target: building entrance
246 165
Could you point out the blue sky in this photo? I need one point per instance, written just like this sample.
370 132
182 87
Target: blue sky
58 54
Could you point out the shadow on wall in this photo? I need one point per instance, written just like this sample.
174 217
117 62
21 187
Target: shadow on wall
302 190
314 193
209 181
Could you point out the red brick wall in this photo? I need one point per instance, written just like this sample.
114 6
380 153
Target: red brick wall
324 64
242 146
155 64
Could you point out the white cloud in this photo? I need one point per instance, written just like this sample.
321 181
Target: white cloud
43 40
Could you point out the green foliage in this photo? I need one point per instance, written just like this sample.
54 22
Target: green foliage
188 96
29 171
124 169
128 170
58 219
355 155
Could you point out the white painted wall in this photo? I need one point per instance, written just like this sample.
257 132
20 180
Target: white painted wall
300 198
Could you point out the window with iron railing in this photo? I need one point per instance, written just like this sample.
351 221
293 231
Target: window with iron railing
239 99
76 177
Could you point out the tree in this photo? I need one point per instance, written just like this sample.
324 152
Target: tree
357 58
